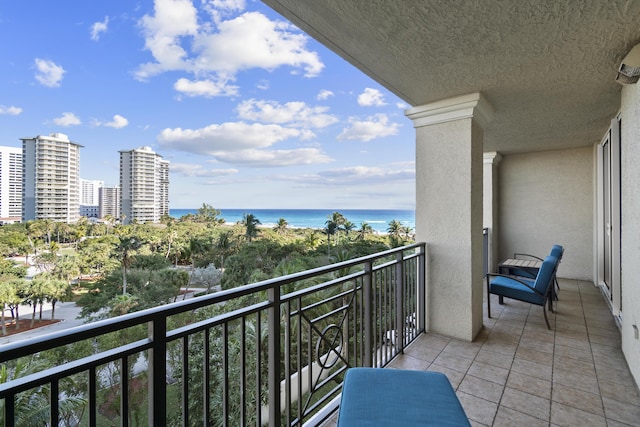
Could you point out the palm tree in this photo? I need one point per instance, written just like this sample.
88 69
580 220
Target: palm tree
57 290
347 226
281 226
407 232
123 304
47 226
311 240
109 220
62 228
334 223
80 229
364 230
8 292
34 232
125 251
224 245
394 230
251 226
330 230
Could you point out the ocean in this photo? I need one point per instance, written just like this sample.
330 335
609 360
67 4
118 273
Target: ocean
378 219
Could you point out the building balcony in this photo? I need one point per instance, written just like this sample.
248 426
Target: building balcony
275 353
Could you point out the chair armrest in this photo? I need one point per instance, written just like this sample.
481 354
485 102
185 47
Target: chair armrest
512 278
516 255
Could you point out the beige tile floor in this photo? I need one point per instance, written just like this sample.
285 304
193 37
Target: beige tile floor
519 373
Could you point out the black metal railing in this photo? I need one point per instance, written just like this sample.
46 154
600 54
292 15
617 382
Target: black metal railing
270 353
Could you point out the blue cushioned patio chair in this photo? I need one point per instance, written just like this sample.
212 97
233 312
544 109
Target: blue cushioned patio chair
531 272
536 291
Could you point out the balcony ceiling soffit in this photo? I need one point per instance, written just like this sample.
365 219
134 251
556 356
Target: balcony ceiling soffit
546 67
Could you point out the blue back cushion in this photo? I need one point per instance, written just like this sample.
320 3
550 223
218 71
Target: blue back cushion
545 274
556 251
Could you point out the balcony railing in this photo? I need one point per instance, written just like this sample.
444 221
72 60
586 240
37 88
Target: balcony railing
270 353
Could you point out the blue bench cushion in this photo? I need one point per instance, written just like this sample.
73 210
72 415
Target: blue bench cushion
393 397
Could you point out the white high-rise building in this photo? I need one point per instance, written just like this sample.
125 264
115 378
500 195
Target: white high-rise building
51 178
10 184
144 185
89 191
89 200
109 202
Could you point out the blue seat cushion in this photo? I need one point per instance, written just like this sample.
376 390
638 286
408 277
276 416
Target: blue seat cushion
513 289
393 397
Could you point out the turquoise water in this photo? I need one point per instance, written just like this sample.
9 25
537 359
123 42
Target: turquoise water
378 219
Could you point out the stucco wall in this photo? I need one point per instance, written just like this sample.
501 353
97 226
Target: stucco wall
630 146
547 198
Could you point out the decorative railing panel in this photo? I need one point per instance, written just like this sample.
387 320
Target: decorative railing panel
269 353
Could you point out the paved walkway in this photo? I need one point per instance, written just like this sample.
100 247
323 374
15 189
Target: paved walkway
67 312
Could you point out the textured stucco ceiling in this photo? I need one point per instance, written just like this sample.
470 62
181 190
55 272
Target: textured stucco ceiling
547 67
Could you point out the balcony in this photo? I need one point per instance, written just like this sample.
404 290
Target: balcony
276 353
271 352
517 372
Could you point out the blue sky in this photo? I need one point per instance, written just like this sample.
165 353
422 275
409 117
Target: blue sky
250 111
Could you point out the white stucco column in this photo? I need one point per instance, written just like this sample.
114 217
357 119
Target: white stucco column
490 203
449 177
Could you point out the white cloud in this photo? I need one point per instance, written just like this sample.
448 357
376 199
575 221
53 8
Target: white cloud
275 158
294 113
173 19
67 119
377 126
217 50
356 175
366 174
12 111
252 40
99 27
325 94
118 122
48 73
371 98
196 170
206 88
220 8
402 105
231 136
227 4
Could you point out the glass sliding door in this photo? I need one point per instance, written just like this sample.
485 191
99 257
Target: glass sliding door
609 217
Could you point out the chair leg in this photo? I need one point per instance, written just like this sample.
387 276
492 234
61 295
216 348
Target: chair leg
545 317
488 299
500 299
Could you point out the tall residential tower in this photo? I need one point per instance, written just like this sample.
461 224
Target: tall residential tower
51 178
10 184
109 202
144 185
89 200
